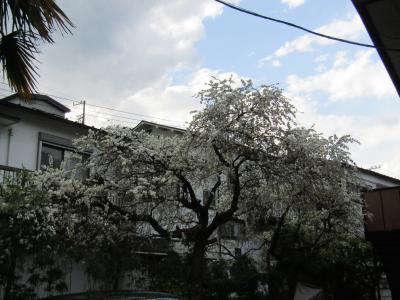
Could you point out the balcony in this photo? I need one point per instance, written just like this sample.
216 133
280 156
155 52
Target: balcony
382 229
8 173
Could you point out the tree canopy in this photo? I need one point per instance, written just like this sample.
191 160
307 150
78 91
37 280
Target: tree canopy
245 148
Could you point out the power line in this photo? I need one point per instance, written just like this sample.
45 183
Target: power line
117 110
112 115
105 107
130 113
75 110
252 13
101 115
110 119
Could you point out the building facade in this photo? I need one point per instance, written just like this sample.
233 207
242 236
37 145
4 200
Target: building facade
35 133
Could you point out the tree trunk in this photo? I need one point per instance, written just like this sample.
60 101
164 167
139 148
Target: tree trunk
10 278
196 275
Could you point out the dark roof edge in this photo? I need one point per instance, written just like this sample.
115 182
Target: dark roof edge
48 115
365 17
384 189
41 97
143 122
9 117
370 172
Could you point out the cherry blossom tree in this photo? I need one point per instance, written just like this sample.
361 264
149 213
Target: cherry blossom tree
32 239
245 148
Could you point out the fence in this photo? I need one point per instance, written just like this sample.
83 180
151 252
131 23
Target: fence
8 173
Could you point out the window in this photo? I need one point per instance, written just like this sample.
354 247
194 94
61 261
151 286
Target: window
57 157
51 156
231 230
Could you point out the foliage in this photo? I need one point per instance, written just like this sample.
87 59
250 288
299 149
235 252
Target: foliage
31 240
245 148
23 24
245 278
345 269
167 273
238 277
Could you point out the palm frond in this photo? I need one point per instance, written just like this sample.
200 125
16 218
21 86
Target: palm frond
17 56
41 16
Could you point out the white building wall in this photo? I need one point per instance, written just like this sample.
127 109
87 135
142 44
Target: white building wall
24 139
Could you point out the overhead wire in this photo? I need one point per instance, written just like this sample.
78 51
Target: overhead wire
118 110
330 37
76 102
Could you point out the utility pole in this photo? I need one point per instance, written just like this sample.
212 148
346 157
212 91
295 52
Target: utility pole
84 111
81 118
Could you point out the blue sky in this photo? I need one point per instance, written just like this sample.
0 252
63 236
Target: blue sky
150 57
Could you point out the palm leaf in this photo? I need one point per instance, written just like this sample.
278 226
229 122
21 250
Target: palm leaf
23 23
17 56
41 16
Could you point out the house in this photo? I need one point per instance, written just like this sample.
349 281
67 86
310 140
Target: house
35 133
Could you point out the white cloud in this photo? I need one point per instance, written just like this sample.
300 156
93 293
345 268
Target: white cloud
341 59
174 101
351 77
276 63
161 102
360 76
126 50
269 59
293 3
321 58
350 28
320 68
379 143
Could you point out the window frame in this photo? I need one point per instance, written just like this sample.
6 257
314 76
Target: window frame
62 144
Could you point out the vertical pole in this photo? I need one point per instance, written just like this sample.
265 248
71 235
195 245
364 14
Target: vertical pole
10 134
84 111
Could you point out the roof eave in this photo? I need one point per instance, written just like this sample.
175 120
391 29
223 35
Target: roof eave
374 34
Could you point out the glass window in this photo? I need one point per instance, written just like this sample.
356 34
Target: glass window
51 156
71 159
57 157
231 230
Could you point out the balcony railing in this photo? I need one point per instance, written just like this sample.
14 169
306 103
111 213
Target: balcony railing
8 173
